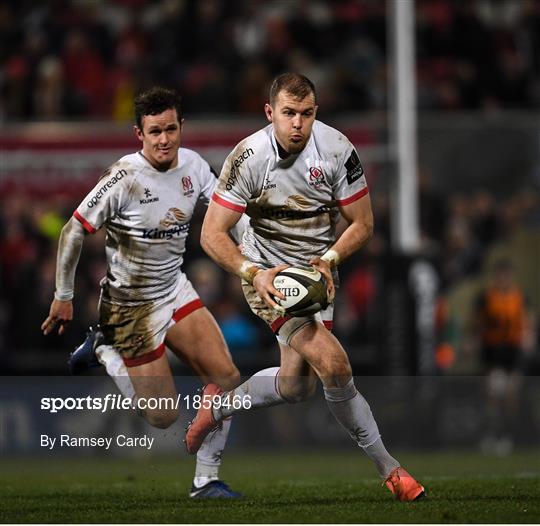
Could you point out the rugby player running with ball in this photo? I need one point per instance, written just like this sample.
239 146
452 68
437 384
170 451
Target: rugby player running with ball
293 178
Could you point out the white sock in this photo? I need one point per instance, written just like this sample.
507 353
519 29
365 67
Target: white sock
209 455
384 462
261 390
201 481
116 369
352 411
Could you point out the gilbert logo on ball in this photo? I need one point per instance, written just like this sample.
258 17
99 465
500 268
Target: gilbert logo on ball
304 290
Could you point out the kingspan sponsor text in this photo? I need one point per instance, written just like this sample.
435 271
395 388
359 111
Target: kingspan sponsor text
156 233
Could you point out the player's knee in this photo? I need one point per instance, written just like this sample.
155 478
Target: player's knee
336 374
234 379
161 419
297 391
299 395
229 379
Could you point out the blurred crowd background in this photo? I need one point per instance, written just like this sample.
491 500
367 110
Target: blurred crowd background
478 61
64 59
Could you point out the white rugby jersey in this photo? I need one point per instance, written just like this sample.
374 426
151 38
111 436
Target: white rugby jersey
292 203
146 214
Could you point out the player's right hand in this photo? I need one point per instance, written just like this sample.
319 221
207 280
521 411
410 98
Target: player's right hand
324 268
263 282
60 314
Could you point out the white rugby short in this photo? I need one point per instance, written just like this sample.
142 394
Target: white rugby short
138 332
284 327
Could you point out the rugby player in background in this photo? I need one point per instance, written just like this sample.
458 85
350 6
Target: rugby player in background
145 201
292 179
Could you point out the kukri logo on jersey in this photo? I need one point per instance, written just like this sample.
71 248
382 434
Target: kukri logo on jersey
148 197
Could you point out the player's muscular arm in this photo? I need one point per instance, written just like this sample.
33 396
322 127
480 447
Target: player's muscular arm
359 217
215 238
219 246
69 251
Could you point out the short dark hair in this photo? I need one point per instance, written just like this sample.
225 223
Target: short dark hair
156 100
297 85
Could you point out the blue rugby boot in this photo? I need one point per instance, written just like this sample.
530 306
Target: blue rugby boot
84 356
215 489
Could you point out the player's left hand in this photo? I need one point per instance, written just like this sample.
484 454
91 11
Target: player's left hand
324 268
263 283
60 314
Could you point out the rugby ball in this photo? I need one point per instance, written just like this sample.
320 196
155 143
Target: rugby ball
304 290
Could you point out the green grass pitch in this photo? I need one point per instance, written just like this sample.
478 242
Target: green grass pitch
289 487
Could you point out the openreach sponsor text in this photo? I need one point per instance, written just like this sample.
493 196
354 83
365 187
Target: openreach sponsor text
235 164
120 174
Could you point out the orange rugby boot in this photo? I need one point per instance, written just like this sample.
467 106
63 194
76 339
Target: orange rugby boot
403 486
204 421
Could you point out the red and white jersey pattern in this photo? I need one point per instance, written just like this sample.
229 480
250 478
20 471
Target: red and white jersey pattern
292 203
146 214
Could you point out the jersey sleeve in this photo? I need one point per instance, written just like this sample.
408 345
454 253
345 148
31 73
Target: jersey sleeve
103 201
235 184
350 182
